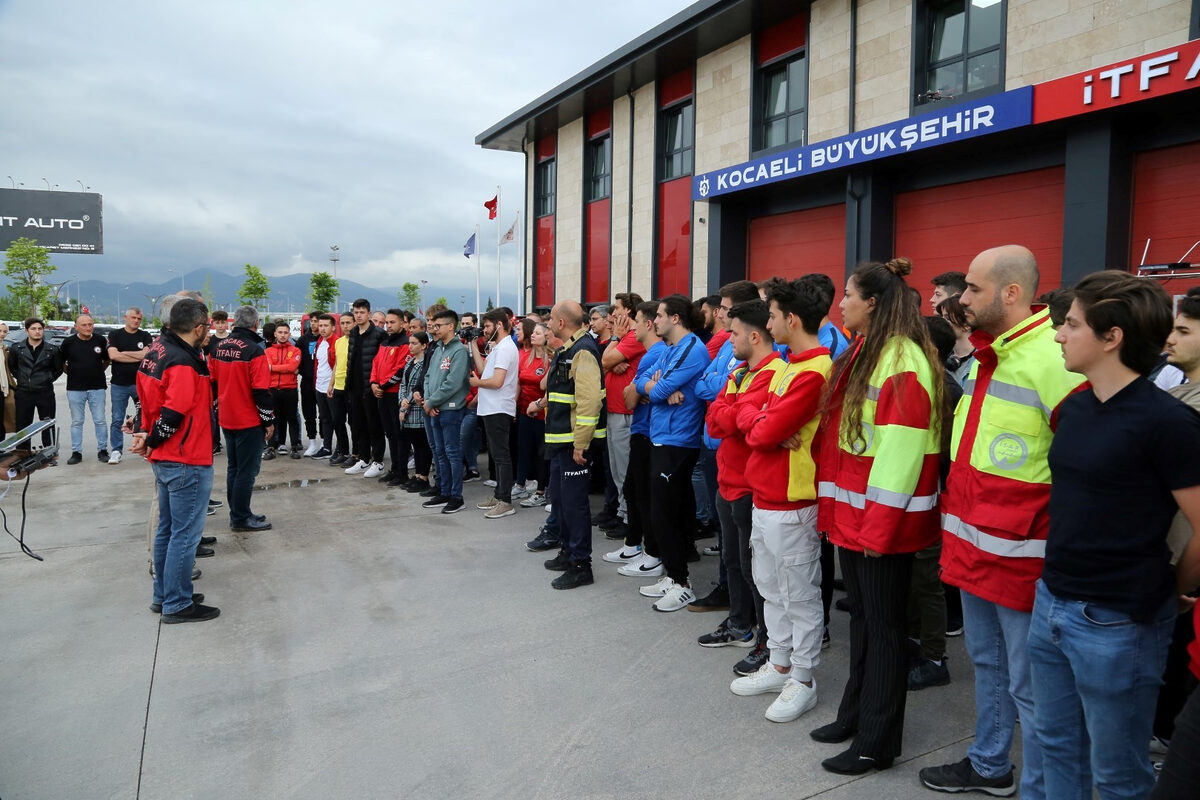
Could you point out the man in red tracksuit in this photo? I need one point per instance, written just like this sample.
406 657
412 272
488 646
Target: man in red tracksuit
387 372
174 433
245 412
283 367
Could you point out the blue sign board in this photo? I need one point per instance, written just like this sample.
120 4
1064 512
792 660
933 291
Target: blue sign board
999 112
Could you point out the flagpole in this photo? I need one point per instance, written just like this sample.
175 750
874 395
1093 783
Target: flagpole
520 234
499 222
477 275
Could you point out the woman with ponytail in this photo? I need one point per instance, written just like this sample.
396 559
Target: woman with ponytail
880 445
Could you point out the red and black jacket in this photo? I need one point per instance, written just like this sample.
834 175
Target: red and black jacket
387 368
239 370
175 399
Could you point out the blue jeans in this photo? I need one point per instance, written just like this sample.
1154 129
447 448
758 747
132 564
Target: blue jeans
470 438
94 400
447 450
704 485
996 639
121 396
243 454
435 476
1096 679
183 491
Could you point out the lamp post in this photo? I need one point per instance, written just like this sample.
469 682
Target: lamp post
119 290
333 259
47 184
423 306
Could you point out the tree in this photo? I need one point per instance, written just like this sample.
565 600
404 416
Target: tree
13 308
410 296
442 301
323 290
490 305
27 266
206 291
256 288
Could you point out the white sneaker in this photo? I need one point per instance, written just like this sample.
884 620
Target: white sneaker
313 446
519 493
114 457
624 555
677 597
766 679
282 450
657 589
648 567
374 471
490 483
547 507
358 468
412 462
794 701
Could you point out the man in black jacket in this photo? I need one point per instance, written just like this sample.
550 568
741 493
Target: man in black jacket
36 365
307 378
366 428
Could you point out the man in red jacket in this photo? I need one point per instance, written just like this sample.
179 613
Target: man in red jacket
174 433
387 371
245 412
283 368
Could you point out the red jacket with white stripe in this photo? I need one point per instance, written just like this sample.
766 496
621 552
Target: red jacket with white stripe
997 495
746 388
387 370
175 402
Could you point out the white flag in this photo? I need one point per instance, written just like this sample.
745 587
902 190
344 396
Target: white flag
511 236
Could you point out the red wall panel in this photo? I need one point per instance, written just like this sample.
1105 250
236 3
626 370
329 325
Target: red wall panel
676 87
545 148
1166 210
599 245
598 122
945 227
798 243
781 39
543 264
675 237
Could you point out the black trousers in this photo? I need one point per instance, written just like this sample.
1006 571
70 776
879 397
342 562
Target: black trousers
637 497
498 428
673 505
873 702
389 417
40 400
827 575
1181 771
308 406
418 440
334 408
569 488
365 425
287 418
745 603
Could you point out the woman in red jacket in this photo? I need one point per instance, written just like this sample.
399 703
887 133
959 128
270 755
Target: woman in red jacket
878 486
283 362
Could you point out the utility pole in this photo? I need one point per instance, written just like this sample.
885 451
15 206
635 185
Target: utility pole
333 259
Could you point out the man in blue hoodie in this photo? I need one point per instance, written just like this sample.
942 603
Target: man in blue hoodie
676 419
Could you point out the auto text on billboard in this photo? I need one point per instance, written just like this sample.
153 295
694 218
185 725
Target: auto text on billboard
62 222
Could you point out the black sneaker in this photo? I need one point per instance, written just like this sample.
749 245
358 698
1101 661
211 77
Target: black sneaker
826 642
336 459
962 777
296 453
206 540
706 530
716 600
430 491
560 563
75 458
322 453
397 482
193 613
197 597
204 552
544 541
751 663
470 475
604 518
212 511
269 454
927 673
724 636
102 456
618 531
954 627
416 485
453 506
437 501
215 503
576 575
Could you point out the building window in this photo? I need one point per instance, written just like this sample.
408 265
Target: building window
963 50
599 168
543 188
783 103
677 140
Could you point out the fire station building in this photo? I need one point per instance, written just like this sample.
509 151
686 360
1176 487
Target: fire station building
751 138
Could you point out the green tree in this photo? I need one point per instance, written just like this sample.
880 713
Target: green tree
323 290
490 305
443 301
256 288
410 297
27 265
13 308
206 291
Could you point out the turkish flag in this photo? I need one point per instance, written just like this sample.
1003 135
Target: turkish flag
490 205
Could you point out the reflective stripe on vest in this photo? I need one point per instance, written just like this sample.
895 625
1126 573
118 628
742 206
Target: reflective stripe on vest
923 502
996 545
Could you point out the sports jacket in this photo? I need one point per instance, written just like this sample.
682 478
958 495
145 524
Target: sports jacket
175 402
239 370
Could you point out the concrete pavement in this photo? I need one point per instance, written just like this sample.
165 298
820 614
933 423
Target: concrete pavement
368 648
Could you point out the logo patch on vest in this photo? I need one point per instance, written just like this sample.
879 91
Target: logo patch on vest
1008 451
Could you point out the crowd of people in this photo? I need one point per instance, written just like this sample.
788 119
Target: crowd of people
1002 467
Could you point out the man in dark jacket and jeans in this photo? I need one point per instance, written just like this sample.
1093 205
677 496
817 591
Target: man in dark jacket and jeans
36 365
366 428
246 413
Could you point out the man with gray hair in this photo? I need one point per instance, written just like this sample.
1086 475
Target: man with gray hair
126 347
246 413
85 357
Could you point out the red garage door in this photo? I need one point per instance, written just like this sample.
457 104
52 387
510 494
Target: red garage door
797 243
943 228
1166 210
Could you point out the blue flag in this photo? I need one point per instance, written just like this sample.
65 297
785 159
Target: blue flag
469 247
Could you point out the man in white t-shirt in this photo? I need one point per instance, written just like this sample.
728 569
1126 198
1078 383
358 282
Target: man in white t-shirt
323 366
498 384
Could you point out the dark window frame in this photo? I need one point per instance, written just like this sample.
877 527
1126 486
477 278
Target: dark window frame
544 196
924 15
761 119
598 186
686 152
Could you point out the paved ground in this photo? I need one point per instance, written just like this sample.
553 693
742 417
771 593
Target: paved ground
369 649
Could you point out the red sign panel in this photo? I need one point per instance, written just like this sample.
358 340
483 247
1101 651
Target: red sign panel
1153 75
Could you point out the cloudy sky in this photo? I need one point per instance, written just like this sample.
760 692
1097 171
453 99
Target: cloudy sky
223 133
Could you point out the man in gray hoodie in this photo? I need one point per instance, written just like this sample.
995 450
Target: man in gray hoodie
445 395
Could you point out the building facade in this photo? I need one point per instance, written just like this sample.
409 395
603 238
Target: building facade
751 138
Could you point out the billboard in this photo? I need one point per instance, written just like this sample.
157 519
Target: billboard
64 222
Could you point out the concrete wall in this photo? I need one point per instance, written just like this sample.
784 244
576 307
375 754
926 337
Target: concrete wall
828 69
568 215
621 148
884 51
645 114
1051 38
723 102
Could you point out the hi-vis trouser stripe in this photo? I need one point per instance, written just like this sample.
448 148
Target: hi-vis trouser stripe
997 546
904 502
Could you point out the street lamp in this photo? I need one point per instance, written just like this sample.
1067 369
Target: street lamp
333 259
47 184
423 306
119 290
14 181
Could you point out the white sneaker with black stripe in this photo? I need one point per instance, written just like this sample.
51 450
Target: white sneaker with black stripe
624 555
675 598
647 567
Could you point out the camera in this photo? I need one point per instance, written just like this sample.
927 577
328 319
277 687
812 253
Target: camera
469 333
